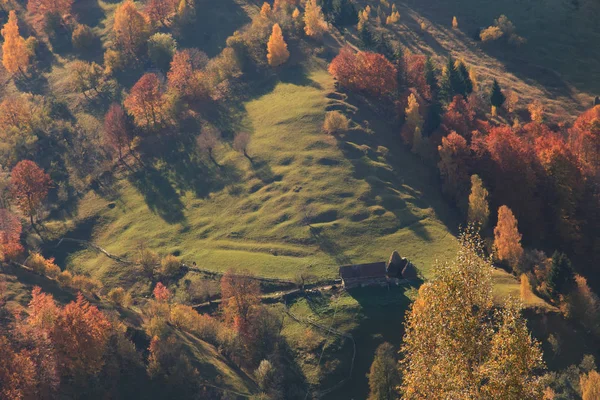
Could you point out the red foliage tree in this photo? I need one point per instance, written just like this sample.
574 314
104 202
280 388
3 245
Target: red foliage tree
454 166
29 186
565 185
17 373
512 173
44 7
116 132
241 295
366 72
415 73
10 235
459 117
161 292
146 102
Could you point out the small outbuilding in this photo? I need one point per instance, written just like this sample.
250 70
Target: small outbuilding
363 274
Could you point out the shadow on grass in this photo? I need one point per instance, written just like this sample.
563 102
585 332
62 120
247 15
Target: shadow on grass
329 246
211 29
395 175
159 194
380 319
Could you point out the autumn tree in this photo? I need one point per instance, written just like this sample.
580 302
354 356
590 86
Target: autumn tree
366 72
10 235
459 117
86 76
147 103
208 140
160 11
383 375
440 357
17 373
29 185
454 167
454 22
413 126
44 7
116 130
507 239
314 21
585 139
185 75
277 51
478 203
131 28
241 142
241 296
590 385
15 56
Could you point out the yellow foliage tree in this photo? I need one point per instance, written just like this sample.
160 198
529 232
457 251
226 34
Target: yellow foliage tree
479 211
454 22
441 358
296 13
414 120
132 28
277 48
507 239
393 18
536 110
15 56
314 21
590 385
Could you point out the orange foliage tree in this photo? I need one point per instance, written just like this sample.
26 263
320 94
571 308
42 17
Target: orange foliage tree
15 56
146 102
17 373
161 10
185 75
585 138
131 29
507 239
277 51
366 72
10 235
415 73
241 295
44 7
29 186
79 332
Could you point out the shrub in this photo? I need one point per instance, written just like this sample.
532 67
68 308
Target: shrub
52 270
120 297
64 278
148 260
85 284
39 264
169 266
83 37
161 48
335 122
264 374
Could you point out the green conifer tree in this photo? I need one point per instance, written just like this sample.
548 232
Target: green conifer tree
497 98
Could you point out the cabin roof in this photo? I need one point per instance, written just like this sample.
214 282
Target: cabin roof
370 270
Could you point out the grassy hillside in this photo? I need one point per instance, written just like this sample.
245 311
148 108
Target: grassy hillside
364 200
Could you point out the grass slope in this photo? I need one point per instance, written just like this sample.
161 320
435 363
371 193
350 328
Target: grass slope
363 205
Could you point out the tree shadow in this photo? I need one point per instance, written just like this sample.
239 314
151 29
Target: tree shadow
380 319
297 75
396 176
159 194
211 29
34 83
329 246
88 12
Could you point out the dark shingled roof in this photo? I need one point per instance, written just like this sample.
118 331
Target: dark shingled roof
372 270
